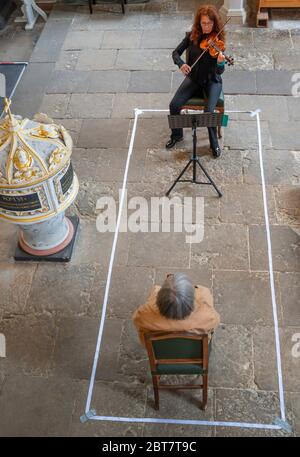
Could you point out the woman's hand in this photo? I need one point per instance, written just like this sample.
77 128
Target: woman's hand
185 68
221 57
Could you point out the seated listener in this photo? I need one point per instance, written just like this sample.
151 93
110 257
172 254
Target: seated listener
177 306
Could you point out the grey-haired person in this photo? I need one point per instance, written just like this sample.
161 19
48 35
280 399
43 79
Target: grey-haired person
177 306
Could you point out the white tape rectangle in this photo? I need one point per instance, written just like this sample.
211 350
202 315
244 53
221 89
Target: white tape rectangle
282 419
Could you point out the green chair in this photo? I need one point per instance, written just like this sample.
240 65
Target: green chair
178 353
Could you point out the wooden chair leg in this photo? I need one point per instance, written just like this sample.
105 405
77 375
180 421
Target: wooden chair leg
219 131
156 393
91 6
204 393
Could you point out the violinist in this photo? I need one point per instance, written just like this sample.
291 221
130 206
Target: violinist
205 74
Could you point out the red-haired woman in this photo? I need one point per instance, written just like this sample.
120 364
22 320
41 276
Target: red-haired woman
205 74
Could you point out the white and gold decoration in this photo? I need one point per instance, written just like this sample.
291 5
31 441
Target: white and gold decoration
37 181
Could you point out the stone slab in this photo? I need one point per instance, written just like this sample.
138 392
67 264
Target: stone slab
181 405
285 248
30 343
46 405
87 106
265 363
66 82
150 81
34 82
80 39
130 39
231 364
146 59
94 248
103 165
124 296
244 204
8 240
162 39
153 250
272 107
252 59
264 39
110 399
104 133
243 135
247 301
15 284
67 60
51 41
290 296
239 81
287 205
284 135
108 81
55 105
73 298
214 252
133 363
277 82
247 406
125 104
280 167
75 347
91 59
286 60
293 108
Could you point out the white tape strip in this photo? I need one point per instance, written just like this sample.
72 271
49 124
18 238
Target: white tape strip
186 422
100 334
107 287
274 306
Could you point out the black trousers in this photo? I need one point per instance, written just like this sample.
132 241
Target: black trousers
185 91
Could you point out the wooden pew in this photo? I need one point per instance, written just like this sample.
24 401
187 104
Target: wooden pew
262 12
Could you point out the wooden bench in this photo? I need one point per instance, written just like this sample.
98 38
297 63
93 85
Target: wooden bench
262 12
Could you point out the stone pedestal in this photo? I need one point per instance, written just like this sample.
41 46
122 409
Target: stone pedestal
235 9
47 237
65 248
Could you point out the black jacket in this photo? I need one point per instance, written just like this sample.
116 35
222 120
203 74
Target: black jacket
206 70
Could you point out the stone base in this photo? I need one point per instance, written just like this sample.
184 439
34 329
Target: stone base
62 256
238 16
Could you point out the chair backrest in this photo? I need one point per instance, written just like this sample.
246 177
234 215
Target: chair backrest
186 350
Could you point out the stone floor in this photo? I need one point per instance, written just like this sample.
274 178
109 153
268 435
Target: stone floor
88 73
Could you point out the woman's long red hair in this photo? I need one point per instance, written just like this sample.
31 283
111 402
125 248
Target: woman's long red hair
212 12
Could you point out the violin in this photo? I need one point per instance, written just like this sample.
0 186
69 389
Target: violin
214 46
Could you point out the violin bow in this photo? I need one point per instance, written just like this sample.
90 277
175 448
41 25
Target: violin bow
205 50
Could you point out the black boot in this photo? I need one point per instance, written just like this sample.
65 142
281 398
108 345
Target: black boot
216 151
172 141
213 140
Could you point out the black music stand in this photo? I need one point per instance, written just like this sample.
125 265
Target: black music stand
194 121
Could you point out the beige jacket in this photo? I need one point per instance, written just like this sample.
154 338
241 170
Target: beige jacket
203 319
